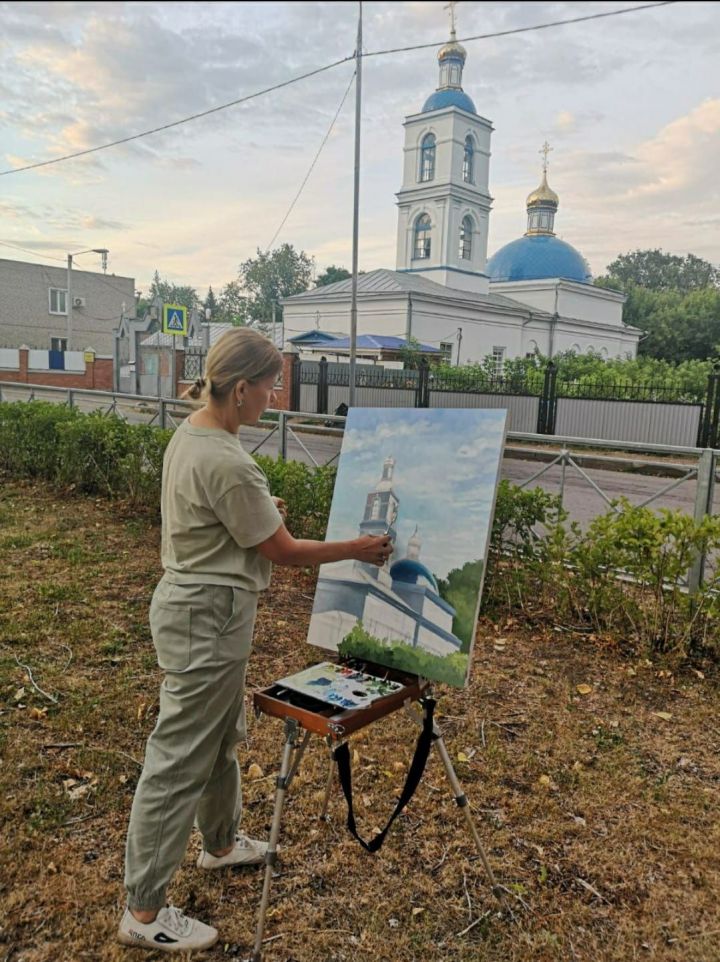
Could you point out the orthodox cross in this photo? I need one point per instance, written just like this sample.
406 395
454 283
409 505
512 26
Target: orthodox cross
451 7
545 150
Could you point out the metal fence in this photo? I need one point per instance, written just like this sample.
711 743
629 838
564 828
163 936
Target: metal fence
315 439
542 402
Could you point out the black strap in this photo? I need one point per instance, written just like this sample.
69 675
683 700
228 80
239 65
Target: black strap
417 767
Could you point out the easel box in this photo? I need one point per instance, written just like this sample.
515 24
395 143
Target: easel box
325 719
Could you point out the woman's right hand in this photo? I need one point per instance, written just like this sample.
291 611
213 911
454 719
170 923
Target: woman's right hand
373 549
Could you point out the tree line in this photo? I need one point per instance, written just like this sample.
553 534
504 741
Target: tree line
674 300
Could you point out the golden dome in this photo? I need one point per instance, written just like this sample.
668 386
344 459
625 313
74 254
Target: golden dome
452 49
543 194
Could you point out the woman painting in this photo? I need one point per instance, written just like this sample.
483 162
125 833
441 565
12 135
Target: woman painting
221 532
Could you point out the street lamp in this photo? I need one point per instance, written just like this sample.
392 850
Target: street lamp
93 250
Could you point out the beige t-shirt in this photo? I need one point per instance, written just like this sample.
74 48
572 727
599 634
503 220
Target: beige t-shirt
216 507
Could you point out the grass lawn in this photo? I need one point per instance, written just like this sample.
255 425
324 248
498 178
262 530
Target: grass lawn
594 778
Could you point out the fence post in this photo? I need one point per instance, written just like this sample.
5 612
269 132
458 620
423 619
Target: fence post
703 507
422 395
708 434
548 401
282 427
294 399
162 413
322 387
71 398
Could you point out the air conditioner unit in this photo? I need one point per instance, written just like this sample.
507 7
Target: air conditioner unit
78 302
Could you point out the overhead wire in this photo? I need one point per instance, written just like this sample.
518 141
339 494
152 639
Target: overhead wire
330 66
314 161
528 29
178 123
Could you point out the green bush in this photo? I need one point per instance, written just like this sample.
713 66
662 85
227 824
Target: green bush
29 438
359 643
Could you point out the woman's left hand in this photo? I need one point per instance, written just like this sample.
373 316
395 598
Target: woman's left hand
281 506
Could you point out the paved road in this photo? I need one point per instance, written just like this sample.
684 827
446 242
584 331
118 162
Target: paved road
580 499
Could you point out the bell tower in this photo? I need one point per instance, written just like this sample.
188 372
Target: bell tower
444 203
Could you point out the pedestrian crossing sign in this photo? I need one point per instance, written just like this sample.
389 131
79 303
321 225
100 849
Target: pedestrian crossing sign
175 319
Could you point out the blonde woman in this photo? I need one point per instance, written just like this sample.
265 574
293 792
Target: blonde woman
221 530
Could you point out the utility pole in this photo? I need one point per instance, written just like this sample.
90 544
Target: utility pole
459 340
356 207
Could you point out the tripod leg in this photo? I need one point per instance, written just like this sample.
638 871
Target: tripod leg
462 802
328 788
299 752
291 733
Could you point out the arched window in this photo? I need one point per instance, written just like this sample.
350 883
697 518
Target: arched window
427 158
468 160
466 229
421 249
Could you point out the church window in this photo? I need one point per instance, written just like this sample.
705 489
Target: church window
468 160
427 158
466 238
422 247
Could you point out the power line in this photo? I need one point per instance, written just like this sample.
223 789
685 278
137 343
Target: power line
177 123
315 159
537 26
330 66
27 251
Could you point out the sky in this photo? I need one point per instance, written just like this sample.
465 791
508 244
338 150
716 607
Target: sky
630 105
446 468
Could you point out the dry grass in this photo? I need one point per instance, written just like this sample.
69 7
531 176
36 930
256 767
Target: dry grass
600 815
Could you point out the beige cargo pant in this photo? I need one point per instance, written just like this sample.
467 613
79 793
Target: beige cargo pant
203 637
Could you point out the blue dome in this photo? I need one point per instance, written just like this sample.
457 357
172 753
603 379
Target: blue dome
409 571
449 98
537 256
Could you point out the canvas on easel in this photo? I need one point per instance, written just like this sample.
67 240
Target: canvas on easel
427 478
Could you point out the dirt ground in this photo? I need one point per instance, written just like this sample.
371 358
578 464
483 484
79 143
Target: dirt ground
594 778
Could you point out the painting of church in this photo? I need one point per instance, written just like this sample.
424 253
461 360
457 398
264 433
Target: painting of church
402 614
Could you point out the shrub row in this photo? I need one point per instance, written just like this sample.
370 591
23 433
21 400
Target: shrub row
101 454
539 563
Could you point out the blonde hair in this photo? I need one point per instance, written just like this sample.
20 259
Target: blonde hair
239 355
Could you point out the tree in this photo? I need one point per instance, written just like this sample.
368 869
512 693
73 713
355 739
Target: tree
211 303
332 274
658 271
232 305
271 276
172 293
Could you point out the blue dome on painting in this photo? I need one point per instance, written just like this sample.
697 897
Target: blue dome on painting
449 98
409 571
536 257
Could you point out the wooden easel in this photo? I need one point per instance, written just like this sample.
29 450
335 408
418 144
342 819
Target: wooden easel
316 718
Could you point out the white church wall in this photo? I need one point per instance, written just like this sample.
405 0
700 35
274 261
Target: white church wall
387 622
437 615
430 642
571 300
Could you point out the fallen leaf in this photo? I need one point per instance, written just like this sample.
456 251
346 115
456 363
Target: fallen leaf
665 715
356 757
631 671
545 780
417 911
583 689
19 694
38 713
254 771
462 757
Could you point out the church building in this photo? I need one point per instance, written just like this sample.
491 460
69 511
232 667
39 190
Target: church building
534 294
399 602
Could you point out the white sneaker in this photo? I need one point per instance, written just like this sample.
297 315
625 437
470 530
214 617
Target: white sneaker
170 932
247 851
